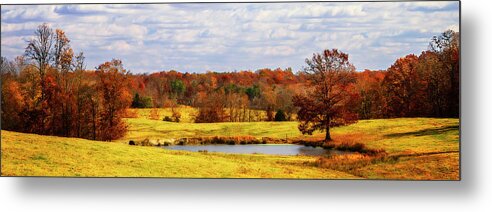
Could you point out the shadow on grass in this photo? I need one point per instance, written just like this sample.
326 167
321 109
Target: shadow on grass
424 132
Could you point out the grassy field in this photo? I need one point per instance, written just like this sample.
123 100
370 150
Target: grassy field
187 113
35 155
402 135
417 148
144 128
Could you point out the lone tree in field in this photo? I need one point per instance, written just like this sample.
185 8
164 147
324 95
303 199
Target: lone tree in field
328 100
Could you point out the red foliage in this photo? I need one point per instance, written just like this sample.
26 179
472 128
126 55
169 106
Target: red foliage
328 101
115 98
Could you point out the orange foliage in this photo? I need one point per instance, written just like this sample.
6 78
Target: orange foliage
115 98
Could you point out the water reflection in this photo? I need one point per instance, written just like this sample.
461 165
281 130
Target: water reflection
276 149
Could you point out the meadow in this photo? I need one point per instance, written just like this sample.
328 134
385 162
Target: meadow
142 127
416 148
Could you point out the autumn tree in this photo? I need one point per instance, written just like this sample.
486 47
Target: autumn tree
156 85
79 67
116 97
325 103
404 88
63 57
283 102
39 49
372 103
210 108
11 98
267 101
447 47
438 84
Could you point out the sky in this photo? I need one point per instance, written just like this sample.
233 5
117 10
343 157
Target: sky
234 36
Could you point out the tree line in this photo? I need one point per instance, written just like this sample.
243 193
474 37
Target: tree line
49 90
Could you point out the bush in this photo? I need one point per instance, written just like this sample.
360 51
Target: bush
154 114
280 116
167 118
141 102
176 117
146 142
353 147
130 113
328 145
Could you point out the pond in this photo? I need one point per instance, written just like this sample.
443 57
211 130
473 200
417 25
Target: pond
272 149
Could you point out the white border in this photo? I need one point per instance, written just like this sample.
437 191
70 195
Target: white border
473 193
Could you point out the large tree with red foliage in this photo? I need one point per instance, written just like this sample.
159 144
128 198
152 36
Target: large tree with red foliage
116 97
326 102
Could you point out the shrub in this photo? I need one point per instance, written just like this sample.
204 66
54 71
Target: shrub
181 142
280 116
354 147
154 114
328 145
176 117
141 102
146 142
130 113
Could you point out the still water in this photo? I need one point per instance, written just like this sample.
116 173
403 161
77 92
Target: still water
272 149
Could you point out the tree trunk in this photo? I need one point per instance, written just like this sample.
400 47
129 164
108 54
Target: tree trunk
93 121
327 136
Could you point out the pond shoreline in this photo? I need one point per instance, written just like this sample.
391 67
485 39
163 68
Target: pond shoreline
269 149
250 140
230 140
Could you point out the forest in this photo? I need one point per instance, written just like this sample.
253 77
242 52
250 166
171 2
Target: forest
49 90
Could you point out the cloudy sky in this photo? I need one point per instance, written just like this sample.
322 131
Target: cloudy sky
228 37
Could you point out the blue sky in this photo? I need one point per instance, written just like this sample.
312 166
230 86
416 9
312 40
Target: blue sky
237 36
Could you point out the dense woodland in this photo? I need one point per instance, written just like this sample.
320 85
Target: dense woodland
49 90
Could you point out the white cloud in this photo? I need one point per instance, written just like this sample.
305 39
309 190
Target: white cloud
223 37
272 50
12 27
118 46
429 4
29 13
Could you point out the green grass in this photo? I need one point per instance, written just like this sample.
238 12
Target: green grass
407 139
